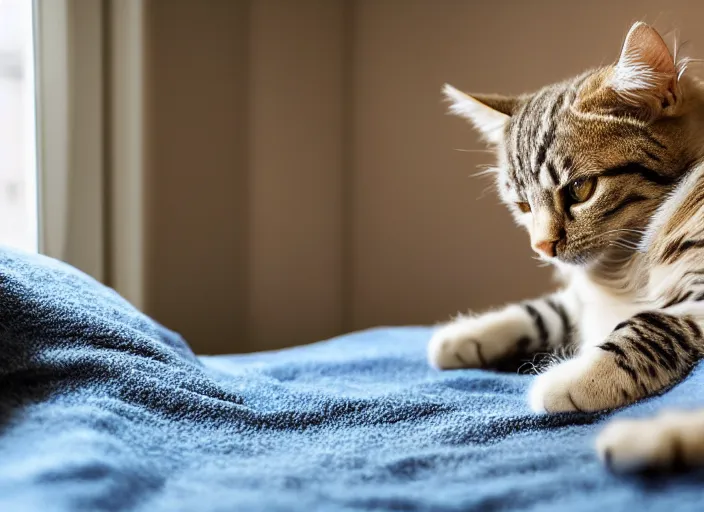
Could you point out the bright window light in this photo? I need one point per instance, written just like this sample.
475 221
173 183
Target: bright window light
18 162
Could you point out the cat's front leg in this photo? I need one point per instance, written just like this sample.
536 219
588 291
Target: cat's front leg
646 353
484 341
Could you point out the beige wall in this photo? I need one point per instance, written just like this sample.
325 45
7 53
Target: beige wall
302 176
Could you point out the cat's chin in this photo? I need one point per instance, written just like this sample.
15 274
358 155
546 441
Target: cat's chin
572 261
591 260
567 265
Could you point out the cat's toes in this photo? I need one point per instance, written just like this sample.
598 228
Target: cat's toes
450 348
479 341
551 391
636 445
587 383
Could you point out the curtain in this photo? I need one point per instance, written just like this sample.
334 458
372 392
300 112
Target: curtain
89 106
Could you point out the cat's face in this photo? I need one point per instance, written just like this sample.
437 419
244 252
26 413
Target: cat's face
583 164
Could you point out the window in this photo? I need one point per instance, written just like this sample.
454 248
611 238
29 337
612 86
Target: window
18 169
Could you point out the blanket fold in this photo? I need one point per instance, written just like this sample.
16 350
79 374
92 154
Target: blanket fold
101 408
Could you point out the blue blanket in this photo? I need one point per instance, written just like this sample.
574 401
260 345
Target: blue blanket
101 408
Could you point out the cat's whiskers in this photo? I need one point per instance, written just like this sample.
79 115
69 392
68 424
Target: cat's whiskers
541 262
486 172
625 230
484 192
475 150
629 247
621 243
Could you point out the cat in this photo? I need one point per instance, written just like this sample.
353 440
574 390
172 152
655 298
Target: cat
606 173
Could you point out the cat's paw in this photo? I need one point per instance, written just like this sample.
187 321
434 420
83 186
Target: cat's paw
590 382
668 441
478 342
452 347
552 391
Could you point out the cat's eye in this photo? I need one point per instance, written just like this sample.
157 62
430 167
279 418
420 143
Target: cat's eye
582 189
524 207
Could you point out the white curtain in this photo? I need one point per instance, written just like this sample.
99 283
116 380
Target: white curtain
89 105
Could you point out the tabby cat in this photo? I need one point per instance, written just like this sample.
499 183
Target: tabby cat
606 173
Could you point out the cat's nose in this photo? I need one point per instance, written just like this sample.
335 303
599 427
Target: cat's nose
545 247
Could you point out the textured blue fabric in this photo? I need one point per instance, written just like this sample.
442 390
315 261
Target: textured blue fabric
103 409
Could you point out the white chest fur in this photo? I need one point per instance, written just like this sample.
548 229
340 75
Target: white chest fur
600 309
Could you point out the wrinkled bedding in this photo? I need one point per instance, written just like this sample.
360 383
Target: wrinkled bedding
102 408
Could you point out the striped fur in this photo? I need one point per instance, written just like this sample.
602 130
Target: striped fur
629 245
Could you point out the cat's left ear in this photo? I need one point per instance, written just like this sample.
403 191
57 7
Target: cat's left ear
488 113
645 75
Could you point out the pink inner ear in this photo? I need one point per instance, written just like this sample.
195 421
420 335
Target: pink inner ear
645 47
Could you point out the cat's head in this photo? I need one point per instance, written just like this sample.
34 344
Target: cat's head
583 164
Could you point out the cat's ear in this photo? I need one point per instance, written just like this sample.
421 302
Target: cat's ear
488 113
645 75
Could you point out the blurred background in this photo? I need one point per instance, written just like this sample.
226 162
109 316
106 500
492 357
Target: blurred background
264 173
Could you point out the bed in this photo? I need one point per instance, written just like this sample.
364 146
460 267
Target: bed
102 408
